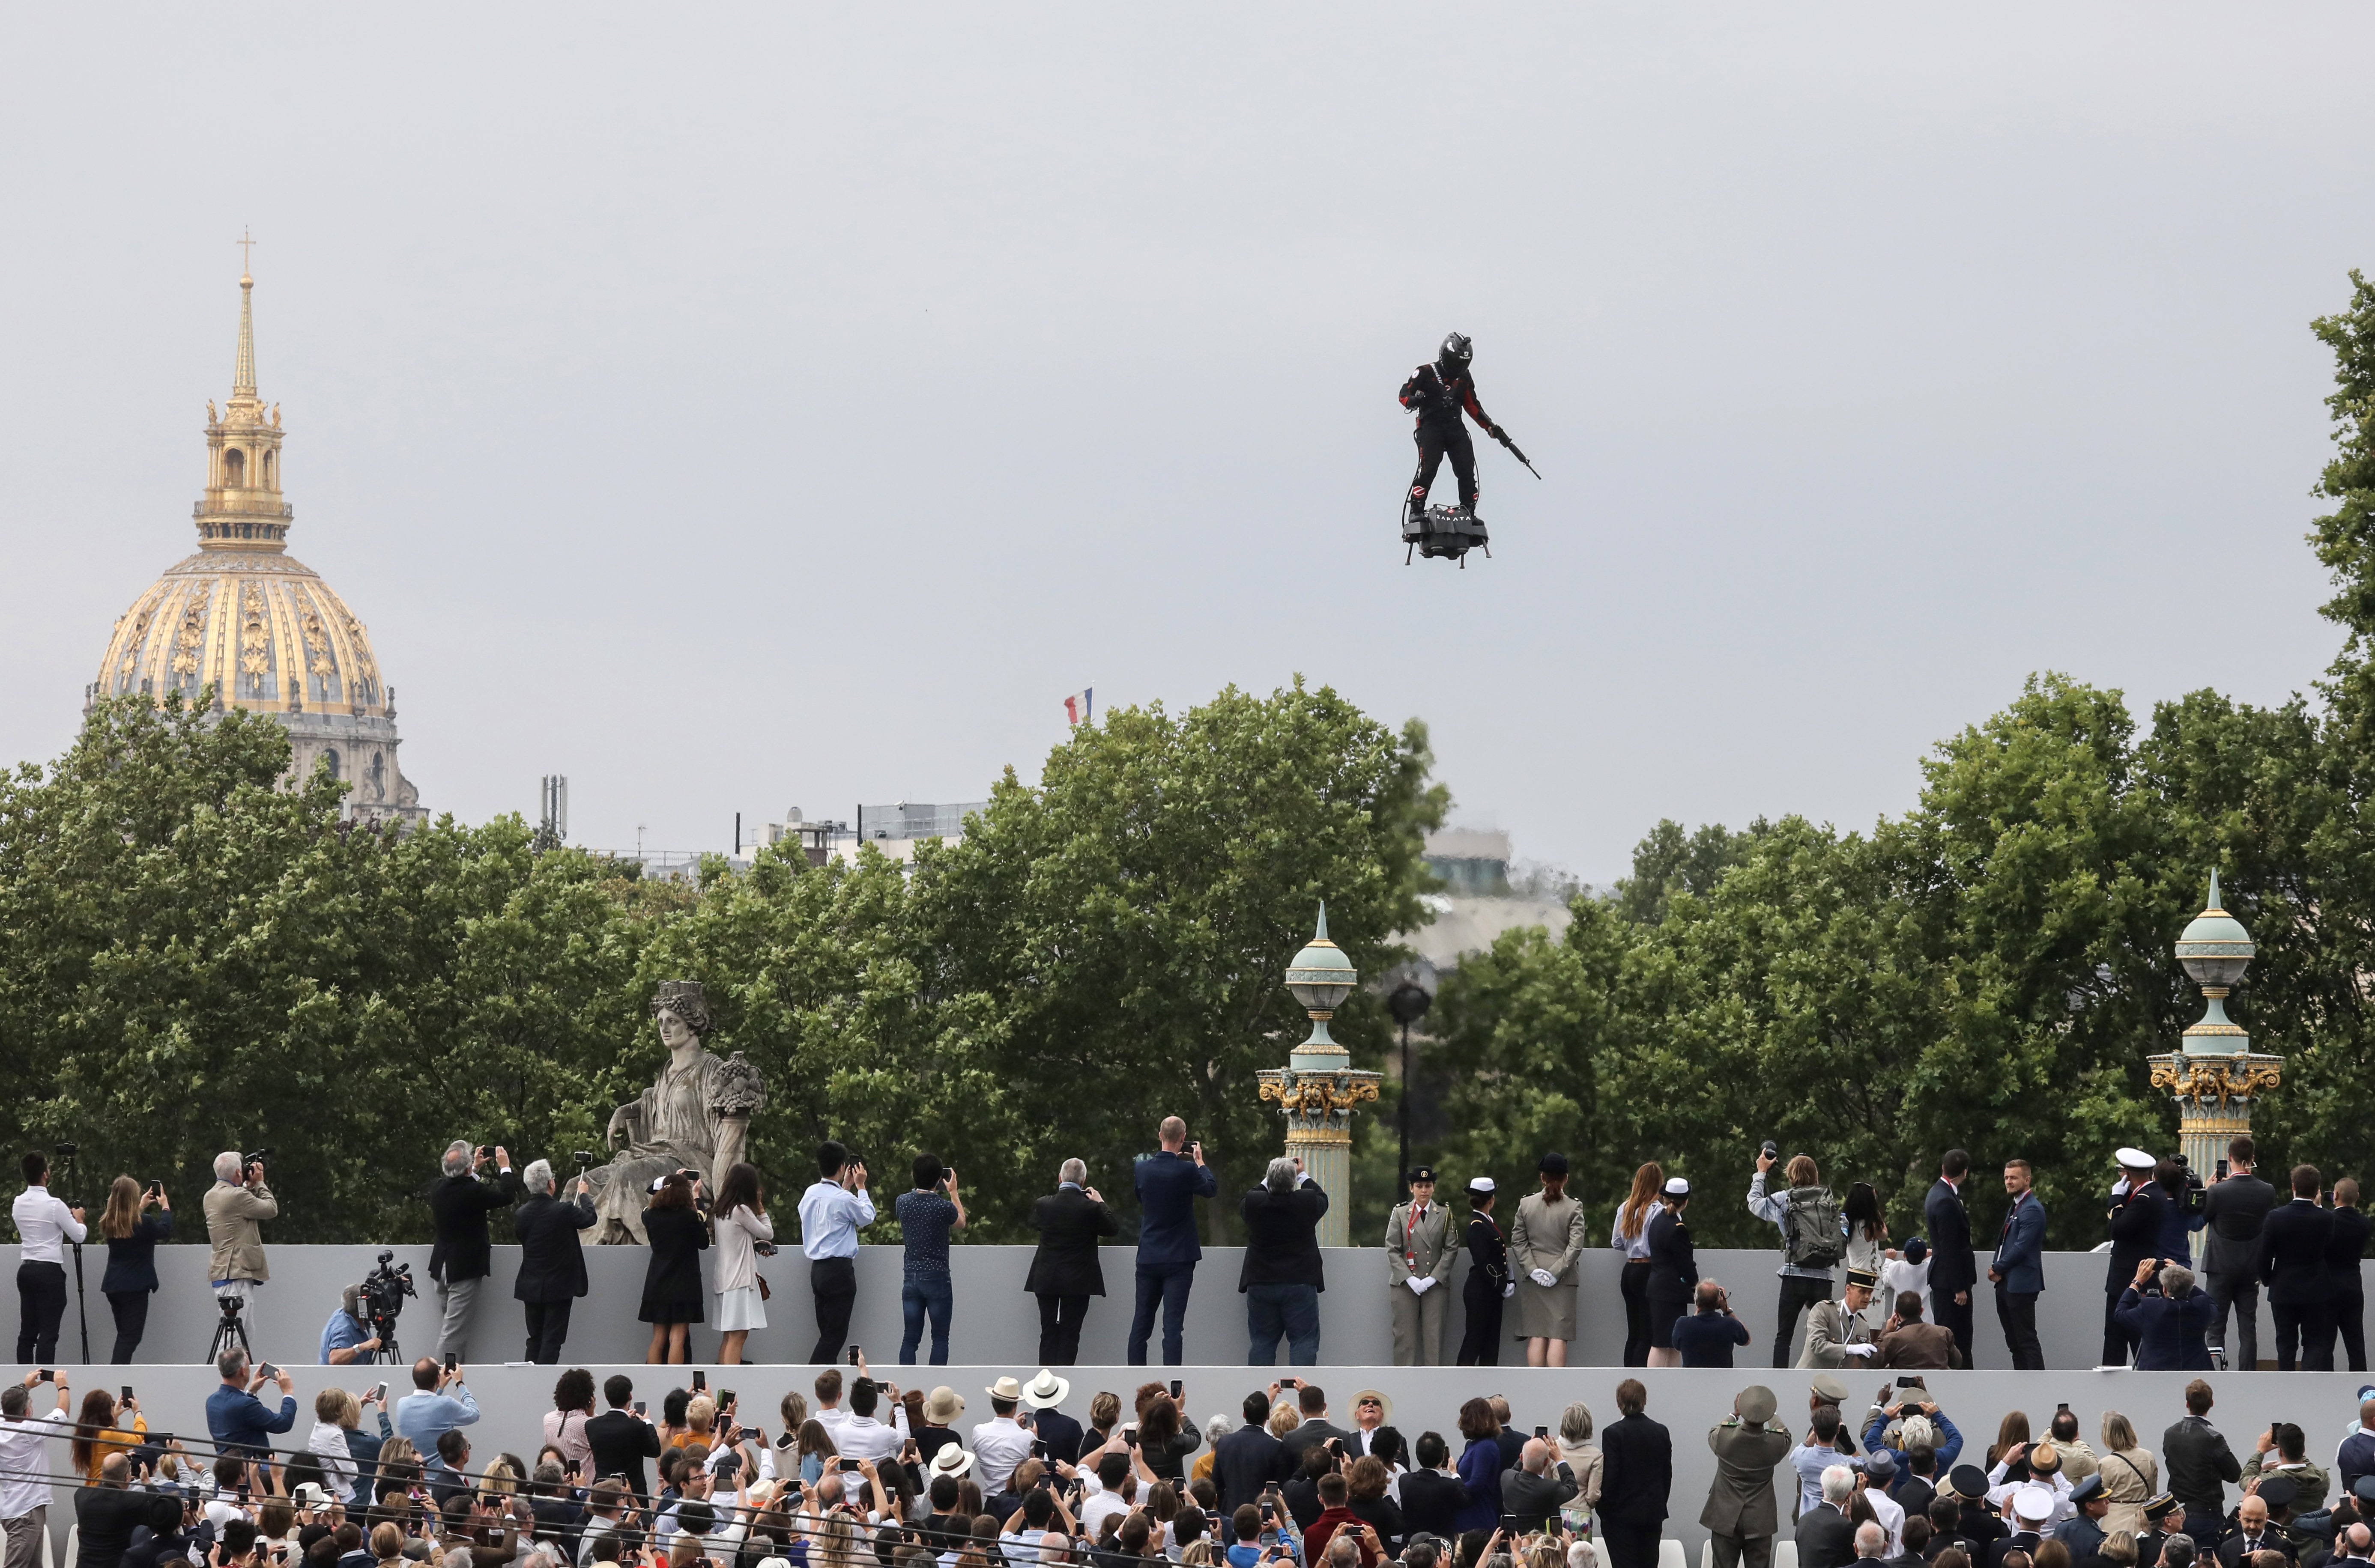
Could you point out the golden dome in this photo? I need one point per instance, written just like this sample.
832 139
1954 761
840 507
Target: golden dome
256 627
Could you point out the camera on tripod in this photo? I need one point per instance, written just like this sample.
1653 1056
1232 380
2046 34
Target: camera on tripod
383 1289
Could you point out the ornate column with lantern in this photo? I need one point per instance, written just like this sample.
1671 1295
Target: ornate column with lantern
1319 1088
2215 1075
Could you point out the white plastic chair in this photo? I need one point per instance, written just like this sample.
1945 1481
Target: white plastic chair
1707 1553
1670 1554
74 1544
1785 1552
48 1552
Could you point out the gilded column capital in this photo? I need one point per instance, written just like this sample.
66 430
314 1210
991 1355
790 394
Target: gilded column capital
2205 1080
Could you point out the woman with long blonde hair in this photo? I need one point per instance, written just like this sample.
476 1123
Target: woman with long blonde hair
132 1235
1630 1237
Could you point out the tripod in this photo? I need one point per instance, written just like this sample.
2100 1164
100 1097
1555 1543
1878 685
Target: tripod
230 1332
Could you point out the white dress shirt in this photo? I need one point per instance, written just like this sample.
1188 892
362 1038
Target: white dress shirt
1637 1248
25 1464
863 1437
999 1445
43 1224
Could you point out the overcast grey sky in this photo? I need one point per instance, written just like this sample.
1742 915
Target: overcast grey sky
739 407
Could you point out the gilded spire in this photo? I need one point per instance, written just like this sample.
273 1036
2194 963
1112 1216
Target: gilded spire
242 375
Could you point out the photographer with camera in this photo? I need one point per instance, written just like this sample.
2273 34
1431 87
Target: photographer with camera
132 1235
464 1256
1813 1237
1708 1336
235 1205
348 1336
44 1224
552 1260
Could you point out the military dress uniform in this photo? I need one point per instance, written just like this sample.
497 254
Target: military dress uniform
1742 1516
1830 1327
1420 1245
1548 1235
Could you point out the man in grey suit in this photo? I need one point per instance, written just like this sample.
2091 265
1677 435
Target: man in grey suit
2234 1206
1741 1515
1420 1246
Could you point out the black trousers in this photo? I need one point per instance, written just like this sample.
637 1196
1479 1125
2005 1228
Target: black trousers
1955 1318
131 1310
1480 1345
2118 1345
2347 1317
1438 438
2240 1292
40 1302
2297 1326
1634 1283
1060 1328
1797 1295
1631 1546
833 1282
2017 1313
547 1331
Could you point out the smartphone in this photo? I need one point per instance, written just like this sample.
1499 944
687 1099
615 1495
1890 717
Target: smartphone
573 1470
450 1361
1541 1432
268 1370
1910 1383
2222 1170
848 1465
856 1352
380 1394
1039 1450
700 1382
1174 1389
725 1400
1290 1382
639 1407
127 1393
1509 1525
45 1375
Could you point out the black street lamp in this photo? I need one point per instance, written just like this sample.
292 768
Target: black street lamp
1408 1002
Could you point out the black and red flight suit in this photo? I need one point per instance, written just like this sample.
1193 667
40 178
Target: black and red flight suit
1438 404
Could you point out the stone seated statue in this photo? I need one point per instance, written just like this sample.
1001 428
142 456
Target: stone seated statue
695 1117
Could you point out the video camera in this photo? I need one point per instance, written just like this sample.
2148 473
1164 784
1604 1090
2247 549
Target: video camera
382 1296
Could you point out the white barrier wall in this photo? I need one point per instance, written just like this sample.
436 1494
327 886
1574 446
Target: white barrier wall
1687 1403
995 1321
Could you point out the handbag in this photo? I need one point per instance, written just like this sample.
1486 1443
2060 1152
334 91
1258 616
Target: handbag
765 1293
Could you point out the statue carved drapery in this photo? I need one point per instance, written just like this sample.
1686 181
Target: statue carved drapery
695 1116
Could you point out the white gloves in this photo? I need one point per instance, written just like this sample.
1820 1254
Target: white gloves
1509 1289
1419 1287
1544 1276
1861 1349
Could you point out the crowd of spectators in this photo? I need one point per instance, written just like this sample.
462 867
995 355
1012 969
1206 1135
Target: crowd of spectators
1853 1288
859 1473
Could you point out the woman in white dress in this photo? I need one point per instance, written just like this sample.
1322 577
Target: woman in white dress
742 1225
1868 1246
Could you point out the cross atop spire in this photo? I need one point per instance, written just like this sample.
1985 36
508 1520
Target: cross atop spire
246 243
242 375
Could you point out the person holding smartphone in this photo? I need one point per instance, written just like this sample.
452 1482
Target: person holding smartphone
1168 1183
832 1210
439 1402
132 1235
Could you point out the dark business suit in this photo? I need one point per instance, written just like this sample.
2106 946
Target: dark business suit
621 1441
551 1268
2345 1299
131 1279
2136 1221
1953 1269
1167 1187
1637 1473
2233 1210
2169 1334
1060 1433
1431 1501
1826 1538
1246 1461
1065 1271
2293 1244
1312 1433
2019 1263
463 1254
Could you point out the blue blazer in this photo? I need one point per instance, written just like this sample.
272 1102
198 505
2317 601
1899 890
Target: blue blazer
2020 1251
131 1260
2169 1334
1168 1185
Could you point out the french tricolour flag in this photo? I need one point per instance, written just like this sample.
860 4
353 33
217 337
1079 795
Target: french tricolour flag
1081 706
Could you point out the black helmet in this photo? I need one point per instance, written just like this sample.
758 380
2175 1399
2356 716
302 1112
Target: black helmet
1455 352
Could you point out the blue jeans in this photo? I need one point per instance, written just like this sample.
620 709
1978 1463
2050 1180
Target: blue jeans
1164 1285
937 1294
1290 1310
